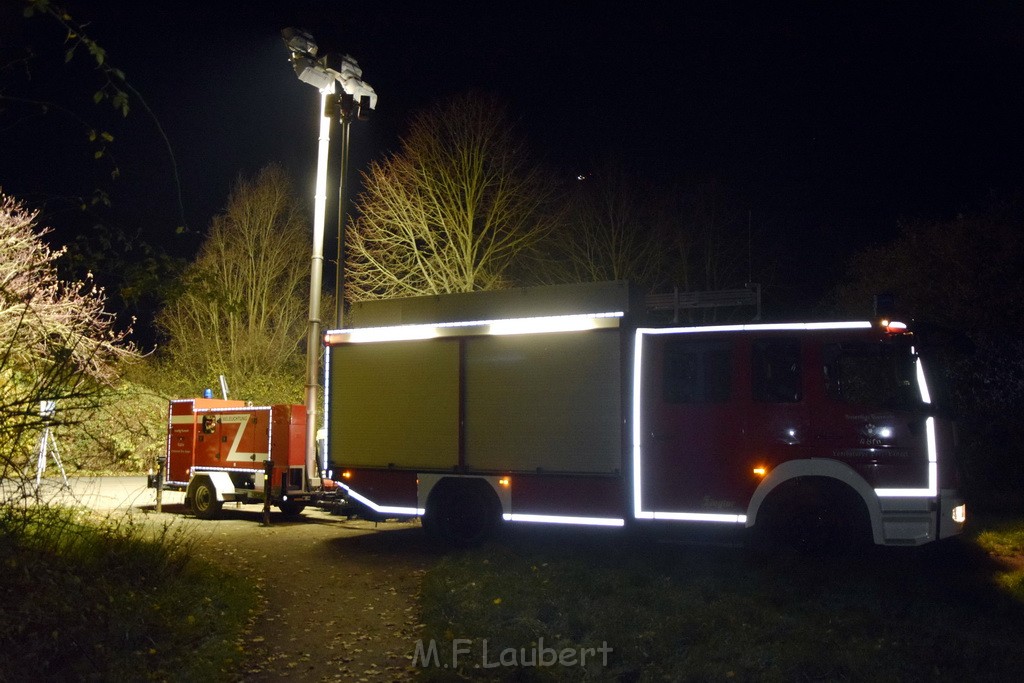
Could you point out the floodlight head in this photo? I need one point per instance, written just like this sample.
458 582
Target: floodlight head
299 41
363 92
312 72
350 76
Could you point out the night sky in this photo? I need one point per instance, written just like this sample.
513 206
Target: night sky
826 123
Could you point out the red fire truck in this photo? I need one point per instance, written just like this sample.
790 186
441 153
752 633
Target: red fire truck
223 450
561 405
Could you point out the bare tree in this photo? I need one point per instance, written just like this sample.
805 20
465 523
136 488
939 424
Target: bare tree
455 210
242 307
711 248
614 228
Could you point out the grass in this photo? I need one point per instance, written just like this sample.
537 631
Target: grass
1004 540
83 599
951 611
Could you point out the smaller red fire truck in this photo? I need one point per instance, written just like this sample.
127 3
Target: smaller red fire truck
222 450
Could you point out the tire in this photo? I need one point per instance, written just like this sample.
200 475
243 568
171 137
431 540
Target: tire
813 517
462 514
204 500
291 508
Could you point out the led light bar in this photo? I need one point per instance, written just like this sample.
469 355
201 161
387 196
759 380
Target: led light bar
511 326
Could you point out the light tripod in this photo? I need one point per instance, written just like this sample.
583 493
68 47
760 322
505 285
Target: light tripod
48 443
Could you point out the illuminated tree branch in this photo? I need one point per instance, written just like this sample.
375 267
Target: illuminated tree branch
57 343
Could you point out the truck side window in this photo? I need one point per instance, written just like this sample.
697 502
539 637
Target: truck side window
871 375
697 371
776 371
209 424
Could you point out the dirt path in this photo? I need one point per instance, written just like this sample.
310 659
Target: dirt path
339 596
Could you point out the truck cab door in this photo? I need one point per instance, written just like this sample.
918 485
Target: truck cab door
691 427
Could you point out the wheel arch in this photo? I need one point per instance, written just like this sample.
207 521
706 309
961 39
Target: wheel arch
461 511
428 482
820 468
221 483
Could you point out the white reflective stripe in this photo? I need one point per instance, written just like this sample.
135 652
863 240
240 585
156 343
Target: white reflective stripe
637 464
558 519
699 517
854 325
249 470
933 451
757 327
394 510
933 470
233 409
327 413
183 419
638 509
922 383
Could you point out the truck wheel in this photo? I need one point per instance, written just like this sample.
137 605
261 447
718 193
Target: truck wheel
204 500
461 514
814 517
291 508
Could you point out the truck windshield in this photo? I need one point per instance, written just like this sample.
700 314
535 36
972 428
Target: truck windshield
873 375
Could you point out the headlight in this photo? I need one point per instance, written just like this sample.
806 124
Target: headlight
960 514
